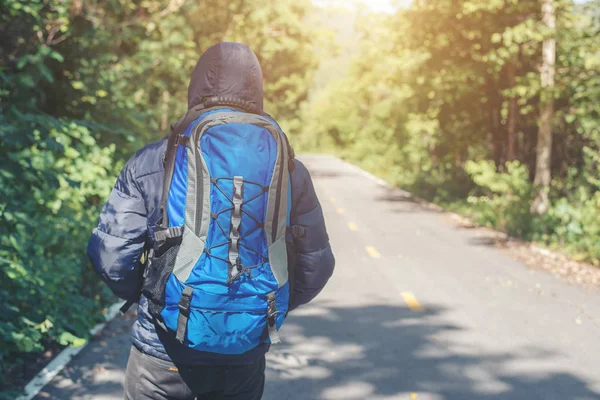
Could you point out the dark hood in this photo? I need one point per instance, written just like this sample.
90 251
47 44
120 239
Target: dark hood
227 69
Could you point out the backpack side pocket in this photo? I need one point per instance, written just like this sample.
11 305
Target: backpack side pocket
166 246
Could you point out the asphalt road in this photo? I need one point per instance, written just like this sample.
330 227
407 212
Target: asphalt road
418 308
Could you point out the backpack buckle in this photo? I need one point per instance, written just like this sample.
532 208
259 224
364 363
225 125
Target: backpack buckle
185 300
184 313
271 309
272 318
181 140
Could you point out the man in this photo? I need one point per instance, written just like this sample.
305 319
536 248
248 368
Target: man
159 366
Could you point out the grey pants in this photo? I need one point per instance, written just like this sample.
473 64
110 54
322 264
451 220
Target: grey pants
155 379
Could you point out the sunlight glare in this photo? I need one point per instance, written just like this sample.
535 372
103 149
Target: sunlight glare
385 6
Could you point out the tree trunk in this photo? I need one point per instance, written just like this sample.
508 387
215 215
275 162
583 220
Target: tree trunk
541 202
511 126
495 133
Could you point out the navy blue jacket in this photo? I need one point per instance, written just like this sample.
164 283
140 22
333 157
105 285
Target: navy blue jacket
126 226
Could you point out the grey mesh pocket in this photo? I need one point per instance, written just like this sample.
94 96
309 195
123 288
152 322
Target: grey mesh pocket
166 247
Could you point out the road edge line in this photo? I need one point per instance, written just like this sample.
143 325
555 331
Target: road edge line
367 174
62 359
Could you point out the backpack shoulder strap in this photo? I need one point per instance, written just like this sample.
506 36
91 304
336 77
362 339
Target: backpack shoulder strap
175 139
291 153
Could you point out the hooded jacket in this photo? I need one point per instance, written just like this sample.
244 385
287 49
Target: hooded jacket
227 70
127 221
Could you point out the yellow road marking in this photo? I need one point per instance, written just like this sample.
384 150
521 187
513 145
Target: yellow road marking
340 210
373 252
352 226
411 301
332 199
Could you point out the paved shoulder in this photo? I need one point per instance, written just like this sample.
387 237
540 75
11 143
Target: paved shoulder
98 371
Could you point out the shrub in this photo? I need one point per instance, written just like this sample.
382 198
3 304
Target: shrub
501 199
52 180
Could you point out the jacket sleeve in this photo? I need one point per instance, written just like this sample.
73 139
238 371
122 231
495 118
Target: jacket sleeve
117 244
314 258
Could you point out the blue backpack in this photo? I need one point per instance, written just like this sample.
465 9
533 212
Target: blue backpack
219 271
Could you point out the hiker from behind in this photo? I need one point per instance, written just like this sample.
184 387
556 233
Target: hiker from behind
234 237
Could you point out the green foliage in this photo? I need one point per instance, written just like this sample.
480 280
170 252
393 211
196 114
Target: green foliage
51 183
52 178
504 197
576 227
